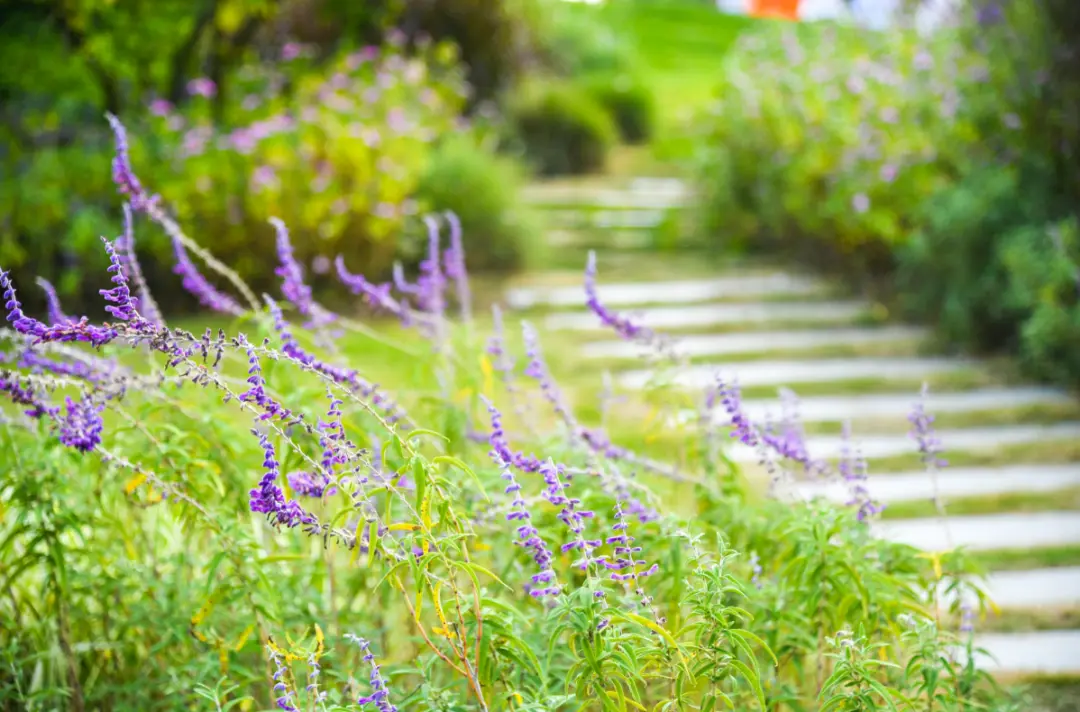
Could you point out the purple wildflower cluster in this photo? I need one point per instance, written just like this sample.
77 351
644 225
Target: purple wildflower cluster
292 281
852 468
621 325
196 284
268 497
81 425
528 536
283 693
922 432
380 694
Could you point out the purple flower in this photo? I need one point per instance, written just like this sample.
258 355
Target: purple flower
501 452
256 393
454 262
23 394
81 425
537 369
202 86
377 295
282 693
292 280
129 263
380 695
122 174
888 172
196 284
852 468
622 326
56 313
160 107
990 13
344 376
268 498
922 431
122 305
306 484
860 203
290 51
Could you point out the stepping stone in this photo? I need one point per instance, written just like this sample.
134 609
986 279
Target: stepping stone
1048 652
967 439
704 315
955 482
757 342
791 373
985 532
1037 588
682 292
823 409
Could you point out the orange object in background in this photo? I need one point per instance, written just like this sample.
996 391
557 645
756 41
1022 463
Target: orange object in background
785 9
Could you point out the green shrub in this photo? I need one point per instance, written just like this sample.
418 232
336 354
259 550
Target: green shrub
562 129
950 273
483 190
578 40
629 101
1043 268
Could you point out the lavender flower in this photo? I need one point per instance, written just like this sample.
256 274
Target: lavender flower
257 391
306 484
377 295
56 312
196 284
380 695
852 468
122 174
123 305
454 261
570 512
922 431
129 263
81 426
344 376
537 369
292 280
622 326
731 400
501 451
431 283
22 393
19 321
268 498
284 695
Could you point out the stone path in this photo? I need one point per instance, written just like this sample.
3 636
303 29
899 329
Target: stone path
771 328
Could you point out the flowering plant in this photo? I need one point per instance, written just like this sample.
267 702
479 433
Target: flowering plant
353 559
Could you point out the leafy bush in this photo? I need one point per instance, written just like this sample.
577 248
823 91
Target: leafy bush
562 129
364 561
627 99
483 190
578 41
951 272
907 160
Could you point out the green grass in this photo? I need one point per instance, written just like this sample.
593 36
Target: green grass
1054 451
1029 620
1025 559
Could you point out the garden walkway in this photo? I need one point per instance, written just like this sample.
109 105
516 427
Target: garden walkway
1013 485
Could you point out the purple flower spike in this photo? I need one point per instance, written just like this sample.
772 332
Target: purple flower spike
122 306
431 283
501 451
922 431
56 312
376 295
853 469
306 484
81 425
537 369
344 376
268 498
23 394
129 263
196 284
122 174
454 261
283 695
731 400
621 325
19 321
292 280
380 694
